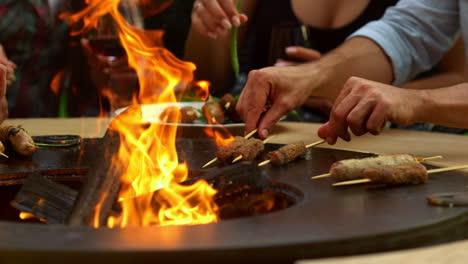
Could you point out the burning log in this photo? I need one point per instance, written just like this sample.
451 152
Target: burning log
45 199
100 191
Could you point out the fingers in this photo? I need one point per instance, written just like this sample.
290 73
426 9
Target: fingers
231 12
253 99
301 53
377 119
216 17
357 118
204 23
338 125
3 80
282 63
273 115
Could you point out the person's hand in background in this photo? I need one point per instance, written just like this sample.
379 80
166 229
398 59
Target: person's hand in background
297 54
213 18
7 76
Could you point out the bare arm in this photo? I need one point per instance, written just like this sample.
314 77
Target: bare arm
286 88
453 70
364 106
445 106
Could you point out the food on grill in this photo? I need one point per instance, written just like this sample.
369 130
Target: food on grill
352 169
225 153
213 112
248 148
168 114
228 102
413 173
188 114
287 153
18 139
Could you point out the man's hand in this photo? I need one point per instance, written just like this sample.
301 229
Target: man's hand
216 17
364 106
299 54
285 88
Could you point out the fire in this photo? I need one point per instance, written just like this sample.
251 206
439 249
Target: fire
150 190
204 90
222 138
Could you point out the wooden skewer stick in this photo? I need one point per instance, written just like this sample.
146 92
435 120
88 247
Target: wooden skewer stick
215 159
315 143
227 105
429 171
430 158
237 159
263 163
419 159
240 156
4 155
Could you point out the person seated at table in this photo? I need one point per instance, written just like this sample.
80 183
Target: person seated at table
275 24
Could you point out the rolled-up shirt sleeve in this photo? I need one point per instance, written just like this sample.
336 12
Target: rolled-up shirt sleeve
415 34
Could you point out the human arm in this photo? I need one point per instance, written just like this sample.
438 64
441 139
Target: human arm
452 69
403 44
286 88
364 106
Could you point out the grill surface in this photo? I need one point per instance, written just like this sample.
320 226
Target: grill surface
324 222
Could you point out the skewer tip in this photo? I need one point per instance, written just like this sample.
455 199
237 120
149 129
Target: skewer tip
351 182
237 159
263 163
4 155
321 176
209 163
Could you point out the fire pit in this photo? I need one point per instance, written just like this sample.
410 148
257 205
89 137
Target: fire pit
320 221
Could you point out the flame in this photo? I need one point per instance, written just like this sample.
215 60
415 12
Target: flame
150 191
222 138
24 215
204 90
55 83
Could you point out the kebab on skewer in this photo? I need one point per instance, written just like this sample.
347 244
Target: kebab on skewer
241 149
213 112
352 169
187 114
228 102
18 139
288 153
238 141
407 174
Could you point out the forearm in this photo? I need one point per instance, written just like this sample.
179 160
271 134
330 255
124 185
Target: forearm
359 57
438 81
445 106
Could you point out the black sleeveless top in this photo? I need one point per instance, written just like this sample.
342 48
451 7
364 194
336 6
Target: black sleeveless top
275 27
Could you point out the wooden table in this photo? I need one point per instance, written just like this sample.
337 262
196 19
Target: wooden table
454 148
